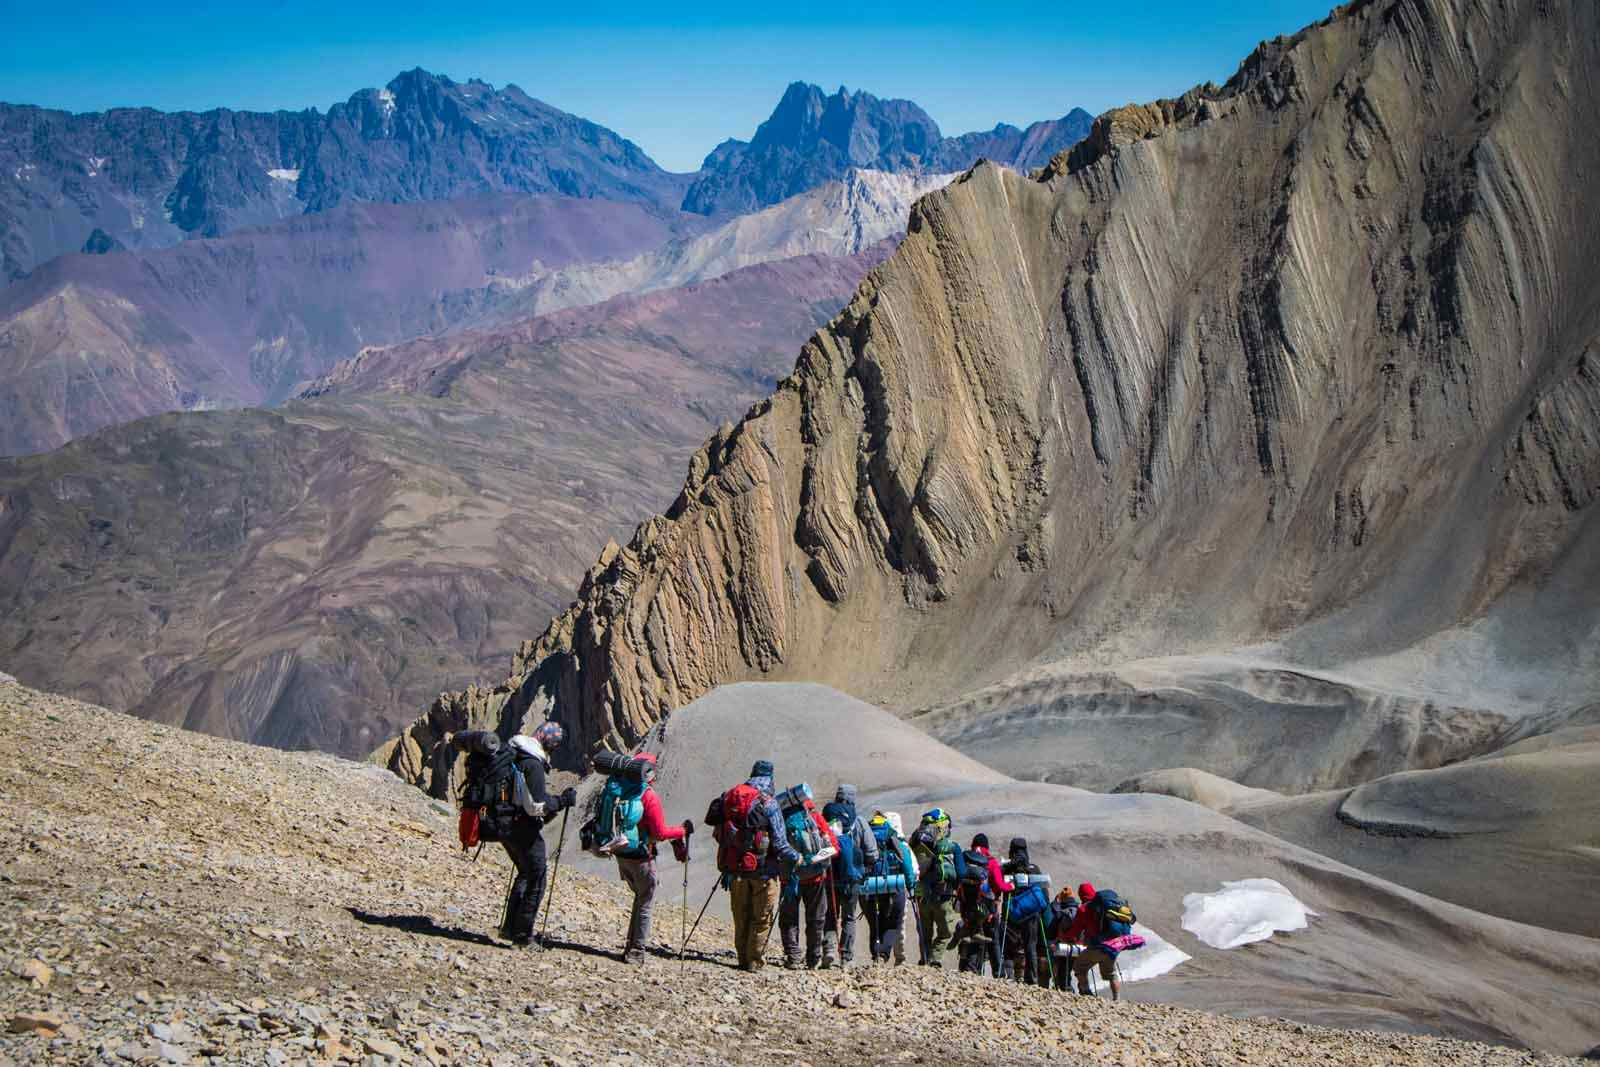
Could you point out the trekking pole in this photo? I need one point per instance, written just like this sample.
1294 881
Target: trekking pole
1049 967
1000 941
555 872
697 918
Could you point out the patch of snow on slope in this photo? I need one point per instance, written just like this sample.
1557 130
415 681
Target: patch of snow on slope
386 101
1241 912
1156 958
284 175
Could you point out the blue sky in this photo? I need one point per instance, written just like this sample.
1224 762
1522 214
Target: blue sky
676 83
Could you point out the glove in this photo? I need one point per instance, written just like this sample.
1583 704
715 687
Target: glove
688 827
569 797
680 850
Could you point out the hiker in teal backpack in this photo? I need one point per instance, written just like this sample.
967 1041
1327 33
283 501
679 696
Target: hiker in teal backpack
807 881
858 854
883 891
628 825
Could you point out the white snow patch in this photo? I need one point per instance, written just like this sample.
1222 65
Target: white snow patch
386 101
1241 912
1156 958
95 163
284 175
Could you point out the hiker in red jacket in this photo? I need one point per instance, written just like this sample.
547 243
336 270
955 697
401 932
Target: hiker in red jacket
637 866
982 916
1085 930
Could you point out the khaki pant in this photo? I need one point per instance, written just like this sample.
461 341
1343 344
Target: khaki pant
938 923
1091 957
641 878
755 903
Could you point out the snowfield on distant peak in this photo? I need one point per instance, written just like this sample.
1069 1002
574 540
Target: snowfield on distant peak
1252 909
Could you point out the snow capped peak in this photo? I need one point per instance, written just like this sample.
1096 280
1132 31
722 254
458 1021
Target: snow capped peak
386 101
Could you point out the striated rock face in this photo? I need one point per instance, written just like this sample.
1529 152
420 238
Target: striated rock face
1306 361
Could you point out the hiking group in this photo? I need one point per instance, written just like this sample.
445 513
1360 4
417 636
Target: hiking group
813 871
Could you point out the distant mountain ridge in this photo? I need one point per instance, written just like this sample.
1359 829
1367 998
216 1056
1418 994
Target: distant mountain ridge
812 138
147 179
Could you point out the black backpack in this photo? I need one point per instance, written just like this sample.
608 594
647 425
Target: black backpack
975 897
491 784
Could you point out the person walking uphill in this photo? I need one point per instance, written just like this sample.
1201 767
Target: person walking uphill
628 825
982 896
883 891
808 881
1105 925
858 854
504 800
751 846
939 859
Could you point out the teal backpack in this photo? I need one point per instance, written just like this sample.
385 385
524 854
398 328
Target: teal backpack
804 834
617 818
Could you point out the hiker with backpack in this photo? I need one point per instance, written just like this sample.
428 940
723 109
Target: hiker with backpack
1104 927
884 889
1064 911
808 880
858 854
752 850
942 868
628 824
504 800
1027 915
981 898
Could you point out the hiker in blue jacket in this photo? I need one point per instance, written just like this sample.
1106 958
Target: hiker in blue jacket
883 897
839 927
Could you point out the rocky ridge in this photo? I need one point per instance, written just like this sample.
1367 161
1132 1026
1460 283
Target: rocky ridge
267 907
1297 360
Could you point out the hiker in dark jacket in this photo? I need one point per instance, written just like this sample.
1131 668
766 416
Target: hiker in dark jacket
980 920
753 895
638 869
839 929
525 843
1085 930
1027 942
1063 912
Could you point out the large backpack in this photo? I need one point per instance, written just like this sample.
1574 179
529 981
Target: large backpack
739 824
937 855
974 895
849 866
805 835
1116 917
616 821
1027 904
494 788
888 875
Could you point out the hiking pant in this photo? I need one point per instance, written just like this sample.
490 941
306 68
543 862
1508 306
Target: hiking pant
907 915
1026 946
938 924
754 900
975 952
525 846
815 898
1062 972
841 927
1093 957
885 913
640 874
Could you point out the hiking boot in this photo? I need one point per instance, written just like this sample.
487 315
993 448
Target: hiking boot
826 963
634 956
792 965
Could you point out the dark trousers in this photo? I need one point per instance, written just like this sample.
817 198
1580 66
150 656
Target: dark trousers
842 924
815 899
975 952
1026 946
885 914
525 846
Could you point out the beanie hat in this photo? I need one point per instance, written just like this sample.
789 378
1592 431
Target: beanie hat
762 769
980 840
1086 892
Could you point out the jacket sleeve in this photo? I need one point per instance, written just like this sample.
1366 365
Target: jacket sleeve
867 840
961 864
1084 926
780 840
654 821
997 880
533 775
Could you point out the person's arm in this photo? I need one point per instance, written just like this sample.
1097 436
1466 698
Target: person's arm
868 842
908 862
961 864
654 821
999 881
533 777
1079 931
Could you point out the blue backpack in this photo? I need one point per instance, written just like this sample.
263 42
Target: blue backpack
617 819
889 876
1116 918
1027 904
849 866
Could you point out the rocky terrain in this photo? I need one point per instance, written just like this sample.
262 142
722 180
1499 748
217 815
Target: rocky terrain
307 577
145 179
812 138
267 907
1291 376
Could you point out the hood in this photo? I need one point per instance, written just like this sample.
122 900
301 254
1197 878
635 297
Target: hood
1019 849
529 747
846 794
762 782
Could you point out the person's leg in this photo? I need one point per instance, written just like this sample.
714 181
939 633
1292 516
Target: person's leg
847 926
1108 971
640 875
759 930
907 914
829 904
817 900
739 902
789 926
871 911
526 849
890 919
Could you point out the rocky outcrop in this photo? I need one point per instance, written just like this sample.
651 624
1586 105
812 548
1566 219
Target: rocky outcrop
1243 366
812 138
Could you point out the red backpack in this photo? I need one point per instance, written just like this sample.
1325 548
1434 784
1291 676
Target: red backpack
742 831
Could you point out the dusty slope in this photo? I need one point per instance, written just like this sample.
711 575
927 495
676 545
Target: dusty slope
1377 956
307 577
261 905
1306 362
